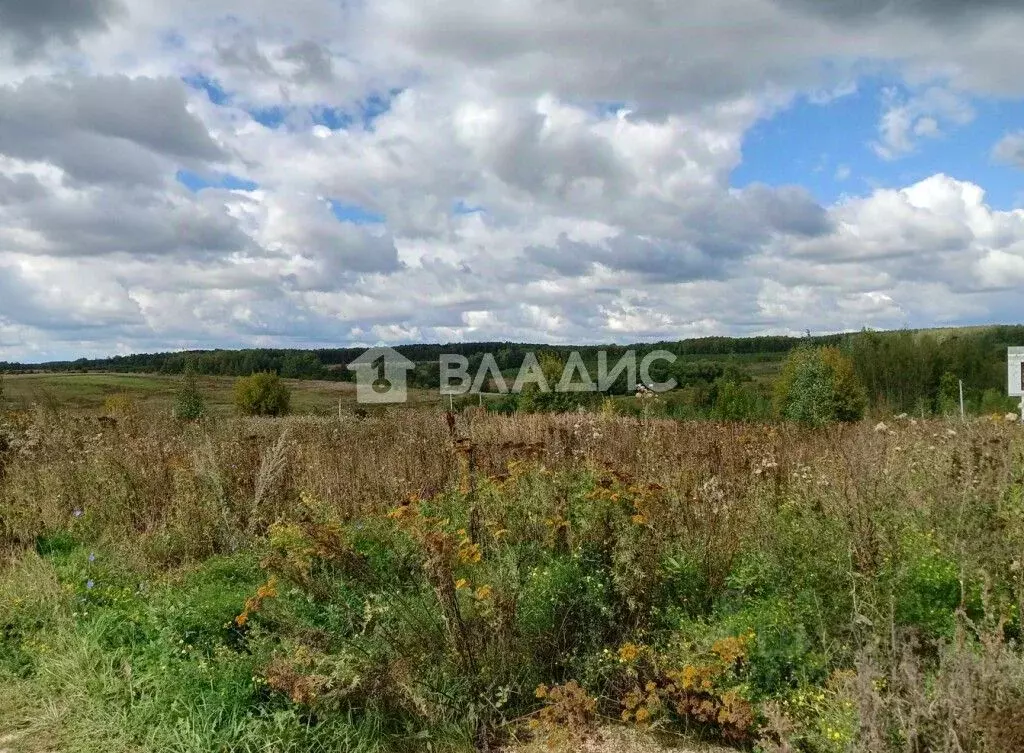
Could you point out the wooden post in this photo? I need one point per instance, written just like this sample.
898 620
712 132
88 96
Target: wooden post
962 418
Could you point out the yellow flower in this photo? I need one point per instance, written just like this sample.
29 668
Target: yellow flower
630 652
461 583
729 650
484 592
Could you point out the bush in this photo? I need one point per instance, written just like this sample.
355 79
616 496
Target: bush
262 395
992 402
740 402
122 406
819 386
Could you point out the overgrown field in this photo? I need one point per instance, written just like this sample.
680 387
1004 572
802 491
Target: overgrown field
410 582
92 393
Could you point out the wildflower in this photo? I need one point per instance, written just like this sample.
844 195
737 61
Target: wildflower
730 650
629 652
484 592
92 556
77 513
89 584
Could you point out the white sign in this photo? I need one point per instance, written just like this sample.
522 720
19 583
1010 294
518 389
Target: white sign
1015 361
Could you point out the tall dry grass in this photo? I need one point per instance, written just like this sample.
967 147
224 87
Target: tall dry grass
863 521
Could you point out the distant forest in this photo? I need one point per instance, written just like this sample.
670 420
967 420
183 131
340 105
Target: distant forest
905 370
329 364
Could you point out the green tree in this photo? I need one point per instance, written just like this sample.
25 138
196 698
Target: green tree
949 394
533 399
818 386
301 365
189 404
848 392
263 394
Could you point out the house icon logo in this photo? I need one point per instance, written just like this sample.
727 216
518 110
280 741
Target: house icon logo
381 375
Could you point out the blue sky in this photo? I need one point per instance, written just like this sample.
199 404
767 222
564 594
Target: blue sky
826 148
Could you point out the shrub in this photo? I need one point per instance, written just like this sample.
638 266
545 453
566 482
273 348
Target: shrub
949 394
122 406
739 402
262 394
992 402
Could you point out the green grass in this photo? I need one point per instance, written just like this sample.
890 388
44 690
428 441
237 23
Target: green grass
98 657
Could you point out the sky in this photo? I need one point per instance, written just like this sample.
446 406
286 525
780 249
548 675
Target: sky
324 173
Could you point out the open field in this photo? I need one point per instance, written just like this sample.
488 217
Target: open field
405 583
87 393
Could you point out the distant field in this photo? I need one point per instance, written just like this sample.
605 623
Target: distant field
88 392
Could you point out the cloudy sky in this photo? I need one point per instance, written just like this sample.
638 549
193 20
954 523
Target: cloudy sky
325 172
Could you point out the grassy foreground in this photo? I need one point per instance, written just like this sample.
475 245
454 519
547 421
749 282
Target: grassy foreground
407 582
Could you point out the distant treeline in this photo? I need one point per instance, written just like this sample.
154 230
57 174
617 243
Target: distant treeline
914 371
330 363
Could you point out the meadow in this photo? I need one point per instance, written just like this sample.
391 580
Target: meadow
412 580
88 393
